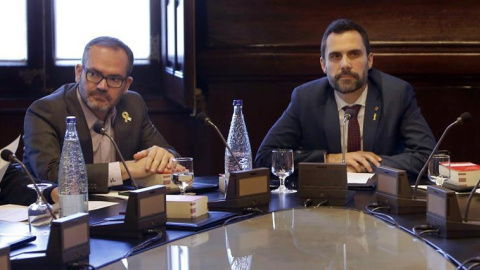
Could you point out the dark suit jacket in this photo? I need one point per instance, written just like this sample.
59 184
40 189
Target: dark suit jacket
14 190
45 127
310 125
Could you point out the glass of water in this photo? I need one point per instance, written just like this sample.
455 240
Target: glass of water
282 166
182 172
439 169
38 212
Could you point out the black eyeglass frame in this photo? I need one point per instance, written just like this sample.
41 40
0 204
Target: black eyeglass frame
101 76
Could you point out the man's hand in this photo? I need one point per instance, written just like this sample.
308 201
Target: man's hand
137 169
356 161
54 195
157 159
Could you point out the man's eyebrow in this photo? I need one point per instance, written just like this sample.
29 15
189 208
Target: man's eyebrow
113 75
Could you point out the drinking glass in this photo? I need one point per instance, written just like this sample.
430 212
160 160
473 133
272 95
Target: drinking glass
182 172
38 213
439 169
282 167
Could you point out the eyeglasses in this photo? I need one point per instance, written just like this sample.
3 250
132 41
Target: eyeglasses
95 77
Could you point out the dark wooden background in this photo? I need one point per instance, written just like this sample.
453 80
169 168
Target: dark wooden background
259 50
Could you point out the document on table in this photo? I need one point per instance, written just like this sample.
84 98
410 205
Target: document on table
18 213
359 178
4 164
13 212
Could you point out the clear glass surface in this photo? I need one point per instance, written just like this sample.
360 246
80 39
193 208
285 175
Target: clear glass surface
439 169
282 167
38 214
182 173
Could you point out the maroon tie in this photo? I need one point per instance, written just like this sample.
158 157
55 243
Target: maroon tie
354 143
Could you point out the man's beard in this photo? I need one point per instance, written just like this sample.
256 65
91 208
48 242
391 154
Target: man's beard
93 104
347 85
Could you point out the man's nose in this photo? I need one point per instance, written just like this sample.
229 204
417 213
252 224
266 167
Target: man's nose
102 85
345 63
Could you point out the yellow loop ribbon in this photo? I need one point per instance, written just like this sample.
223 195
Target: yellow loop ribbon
126 117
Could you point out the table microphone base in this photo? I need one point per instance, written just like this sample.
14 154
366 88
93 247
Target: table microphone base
333 197
454 229
400 206
239 203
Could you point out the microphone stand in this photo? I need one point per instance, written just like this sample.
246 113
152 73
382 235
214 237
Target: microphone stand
346 119
210 123
467 207
12 157
98 127
430 157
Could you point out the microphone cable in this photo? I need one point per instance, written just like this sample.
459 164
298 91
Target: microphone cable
80 265
309 203
246 213
474 260
145 243
387 218
420 230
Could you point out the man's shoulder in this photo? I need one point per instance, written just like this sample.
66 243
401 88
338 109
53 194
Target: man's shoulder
386 81
132 97
315 87
58 96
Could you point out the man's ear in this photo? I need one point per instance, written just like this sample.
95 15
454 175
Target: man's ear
370 60
323 64
78 72
128 82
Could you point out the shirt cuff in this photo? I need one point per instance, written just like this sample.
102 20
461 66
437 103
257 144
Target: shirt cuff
114 174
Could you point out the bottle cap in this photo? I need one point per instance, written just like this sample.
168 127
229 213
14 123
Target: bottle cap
237 102
70 119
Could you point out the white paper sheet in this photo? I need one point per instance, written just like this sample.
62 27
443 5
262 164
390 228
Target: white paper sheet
358 178
4 164
13 212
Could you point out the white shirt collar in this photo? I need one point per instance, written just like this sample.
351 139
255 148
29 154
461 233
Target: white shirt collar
360 101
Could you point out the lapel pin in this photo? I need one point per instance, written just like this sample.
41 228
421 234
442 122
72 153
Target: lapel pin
375 114
126 117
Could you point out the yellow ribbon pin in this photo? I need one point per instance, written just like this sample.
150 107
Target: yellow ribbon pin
375 114
126 117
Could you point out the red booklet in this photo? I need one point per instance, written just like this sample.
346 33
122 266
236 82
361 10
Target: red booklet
463 173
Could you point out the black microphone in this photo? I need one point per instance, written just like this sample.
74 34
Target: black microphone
98 128
348 114
464 117
9 156
204 118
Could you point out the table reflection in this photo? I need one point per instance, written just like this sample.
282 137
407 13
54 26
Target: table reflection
320 238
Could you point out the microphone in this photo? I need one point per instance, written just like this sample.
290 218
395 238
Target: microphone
98 128
464 117
348 114
204 118
9 156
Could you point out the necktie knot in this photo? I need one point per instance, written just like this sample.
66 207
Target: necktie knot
353 110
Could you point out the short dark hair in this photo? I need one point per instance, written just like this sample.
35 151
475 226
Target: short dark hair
343 25
109 42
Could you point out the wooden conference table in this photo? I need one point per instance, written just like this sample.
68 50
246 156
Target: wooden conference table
290 236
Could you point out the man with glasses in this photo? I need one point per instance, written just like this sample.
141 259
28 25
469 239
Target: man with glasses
100 94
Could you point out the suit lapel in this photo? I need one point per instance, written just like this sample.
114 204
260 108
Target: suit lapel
74 109
373 111
121 127
332 124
